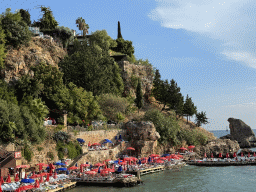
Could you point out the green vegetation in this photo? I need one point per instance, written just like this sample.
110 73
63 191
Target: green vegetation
40 148
119 35
139 96
25 16
72 150
50 155
82 25
15 29
201 118
27 153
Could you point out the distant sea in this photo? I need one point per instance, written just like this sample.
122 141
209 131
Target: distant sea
220 133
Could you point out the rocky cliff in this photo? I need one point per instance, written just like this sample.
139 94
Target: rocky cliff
241 132
217 146
18 62
143 137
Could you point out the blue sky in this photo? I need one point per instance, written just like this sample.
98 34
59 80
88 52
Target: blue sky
206 46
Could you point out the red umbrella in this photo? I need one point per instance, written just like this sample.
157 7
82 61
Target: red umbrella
163 158
191 146
98 164
94 144
130 148
41 179
8 180
96 170
159 161
34 176
89 144
107 160
2 180
48 177
22 166
220 155
183 148
25 176
16 177
81 169
205 155
254 155
72 168
0 187
122 163
154 155
180 156
55 175
37 185
234 155
50 172
249 154
242 154
227 155
90 172
85 165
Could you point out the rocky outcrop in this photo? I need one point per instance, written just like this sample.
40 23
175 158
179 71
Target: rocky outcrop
241 132
18 62
143 137
217 146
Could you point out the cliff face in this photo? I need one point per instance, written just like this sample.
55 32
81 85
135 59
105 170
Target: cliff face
131 71
143 137
18 62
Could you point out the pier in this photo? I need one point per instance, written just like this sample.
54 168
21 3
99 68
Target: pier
221 163
147 171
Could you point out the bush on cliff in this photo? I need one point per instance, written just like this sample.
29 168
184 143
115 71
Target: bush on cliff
192 137
72 150
166 126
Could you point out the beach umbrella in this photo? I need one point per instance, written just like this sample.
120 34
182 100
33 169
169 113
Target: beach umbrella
41 180
37 185
154 155
27 181
1 187
72 168
34 176
81 169
99 170
16 177
107 160
220 155
205 155
122 163
95 144
85 165
90 172
227 155
61 169
163 158
80 140
120 169
50 173
96 169
98 164
108 141
211 155
120 137
55 175
22 166
89 144
159 161
242 154
165 155
249 154
254 155
2 180
234 155
139 162
8 180
149 159
183 148
180 156
130 148
48 177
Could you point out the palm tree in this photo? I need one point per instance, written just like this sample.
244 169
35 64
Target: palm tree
82 25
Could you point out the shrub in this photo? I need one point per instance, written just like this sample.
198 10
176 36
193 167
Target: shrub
27 153
50 155
40 148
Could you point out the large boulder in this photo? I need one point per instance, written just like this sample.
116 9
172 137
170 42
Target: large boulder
241 132
218 146
143 137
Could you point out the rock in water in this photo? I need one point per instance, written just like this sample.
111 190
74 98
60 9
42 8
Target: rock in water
241 132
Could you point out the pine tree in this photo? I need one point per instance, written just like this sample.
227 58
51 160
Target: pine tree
139 96
25 16
201 118
189 108
119 35
156 84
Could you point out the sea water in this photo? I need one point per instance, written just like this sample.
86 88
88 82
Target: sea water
192 178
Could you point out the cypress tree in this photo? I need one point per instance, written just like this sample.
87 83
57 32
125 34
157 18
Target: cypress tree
119 35
139 96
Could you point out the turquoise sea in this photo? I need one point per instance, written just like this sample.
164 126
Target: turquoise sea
192 178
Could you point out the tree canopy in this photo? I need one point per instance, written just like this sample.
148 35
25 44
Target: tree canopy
189 108
201 118
25 16
82 25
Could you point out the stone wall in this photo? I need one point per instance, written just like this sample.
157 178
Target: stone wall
98 136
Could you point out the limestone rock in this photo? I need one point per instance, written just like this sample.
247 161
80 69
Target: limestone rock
241 132
143 136
218 146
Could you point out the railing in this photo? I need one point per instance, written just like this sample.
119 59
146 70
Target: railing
95 127
7 159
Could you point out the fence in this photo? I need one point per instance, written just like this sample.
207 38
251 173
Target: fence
95 127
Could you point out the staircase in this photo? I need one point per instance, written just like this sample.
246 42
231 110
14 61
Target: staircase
6 157
77 159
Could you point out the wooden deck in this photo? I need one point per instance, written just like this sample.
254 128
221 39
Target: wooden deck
66 186
147 171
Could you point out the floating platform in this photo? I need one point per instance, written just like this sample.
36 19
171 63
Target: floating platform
116 182
147 171
221 163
